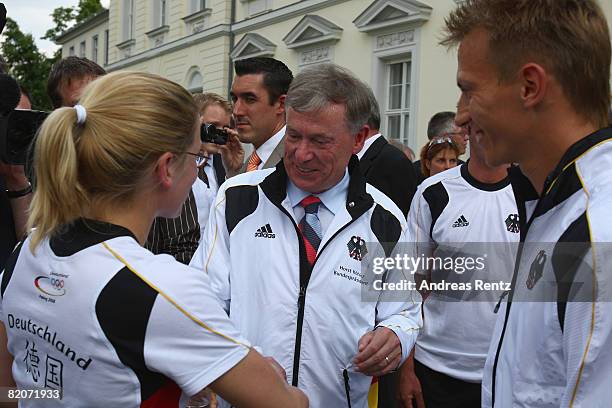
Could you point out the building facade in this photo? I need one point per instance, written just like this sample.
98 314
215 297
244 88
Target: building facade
390 44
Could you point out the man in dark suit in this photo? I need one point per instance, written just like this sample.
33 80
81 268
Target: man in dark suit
389 170
385 166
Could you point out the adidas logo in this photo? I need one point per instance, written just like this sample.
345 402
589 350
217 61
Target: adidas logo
461 222
265 232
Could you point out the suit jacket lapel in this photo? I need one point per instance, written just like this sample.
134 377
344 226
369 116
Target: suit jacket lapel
276 156
371 154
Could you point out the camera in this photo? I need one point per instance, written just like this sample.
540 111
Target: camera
210 134
18 130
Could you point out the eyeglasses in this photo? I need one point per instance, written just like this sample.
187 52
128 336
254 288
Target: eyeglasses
200 159
440 140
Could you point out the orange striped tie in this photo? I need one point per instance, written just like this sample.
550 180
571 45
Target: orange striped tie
254 162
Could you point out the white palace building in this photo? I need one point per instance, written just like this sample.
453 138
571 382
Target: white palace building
390 44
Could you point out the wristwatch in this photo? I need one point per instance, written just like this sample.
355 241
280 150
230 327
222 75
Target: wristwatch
19 193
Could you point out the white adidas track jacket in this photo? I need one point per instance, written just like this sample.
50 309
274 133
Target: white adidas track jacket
552 345
309 323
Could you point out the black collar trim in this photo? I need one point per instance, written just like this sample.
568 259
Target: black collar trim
479 184
358 201
83 233
521 184
576 150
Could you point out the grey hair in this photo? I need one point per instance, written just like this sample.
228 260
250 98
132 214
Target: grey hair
440 123
315 88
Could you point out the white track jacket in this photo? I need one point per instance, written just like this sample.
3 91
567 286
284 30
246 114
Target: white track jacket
552 345
309 321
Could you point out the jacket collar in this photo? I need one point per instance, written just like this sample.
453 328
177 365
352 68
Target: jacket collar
358 201
559 184
521 183
371 154
575 151
83 233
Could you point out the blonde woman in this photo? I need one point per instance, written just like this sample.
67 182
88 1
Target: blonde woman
87 311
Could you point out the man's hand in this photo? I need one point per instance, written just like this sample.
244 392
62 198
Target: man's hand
14 176
380 352
410 393
232 153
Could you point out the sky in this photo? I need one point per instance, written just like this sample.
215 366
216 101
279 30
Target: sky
34 16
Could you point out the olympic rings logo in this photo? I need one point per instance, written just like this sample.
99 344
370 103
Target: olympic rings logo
50 286
57 283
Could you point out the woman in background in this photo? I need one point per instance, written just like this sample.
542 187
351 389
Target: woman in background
88 311
439 154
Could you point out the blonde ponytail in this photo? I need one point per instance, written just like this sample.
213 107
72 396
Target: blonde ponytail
88 165
58 197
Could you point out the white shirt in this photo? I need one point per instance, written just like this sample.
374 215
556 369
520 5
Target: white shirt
457 326
366 145
332 200
107 322
209 169
205 194
265 150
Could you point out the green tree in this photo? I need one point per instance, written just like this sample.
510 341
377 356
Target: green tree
26 63
64 17
86 9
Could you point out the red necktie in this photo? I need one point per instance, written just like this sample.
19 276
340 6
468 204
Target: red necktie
310 227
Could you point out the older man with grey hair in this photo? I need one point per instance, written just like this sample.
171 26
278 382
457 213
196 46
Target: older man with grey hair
284 249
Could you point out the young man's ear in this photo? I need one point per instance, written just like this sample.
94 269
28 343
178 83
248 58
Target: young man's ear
164 171
360 138
281 104
534 84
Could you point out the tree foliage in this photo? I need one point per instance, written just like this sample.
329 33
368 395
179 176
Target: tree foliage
26 63
86 9
64 17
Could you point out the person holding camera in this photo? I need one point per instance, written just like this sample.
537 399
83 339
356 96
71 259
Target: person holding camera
15 196
224 142
87 311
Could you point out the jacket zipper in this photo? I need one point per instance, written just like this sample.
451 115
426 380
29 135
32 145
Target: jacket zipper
347 387
511 295
302 300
